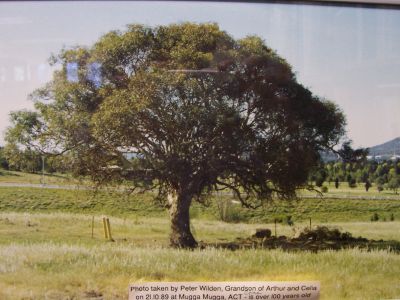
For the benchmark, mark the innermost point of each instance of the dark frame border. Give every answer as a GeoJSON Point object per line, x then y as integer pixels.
{"type": "Point", "coordinates": [389, 4]}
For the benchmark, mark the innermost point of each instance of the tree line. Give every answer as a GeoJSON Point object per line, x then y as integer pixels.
{"type": "Point", "coordinates": [30, 161]}
{"type": "Point", "coordinates": [381, 174]}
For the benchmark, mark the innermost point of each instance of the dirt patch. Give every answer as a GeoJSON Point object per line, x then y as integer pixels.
{"type": "Point", "coordinates": [320, 238]}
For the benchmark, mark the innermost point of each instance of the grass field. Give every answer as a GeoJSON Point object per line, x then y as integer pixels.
{"type": "Point", "coordinates": [47, 250]}
{"type": "Point", "coordinates": [53, 256]}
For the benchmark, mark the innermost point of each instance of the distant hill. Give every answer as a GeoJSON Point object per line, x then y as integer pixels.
{"type": "Point", "coordinates": [389, 148]}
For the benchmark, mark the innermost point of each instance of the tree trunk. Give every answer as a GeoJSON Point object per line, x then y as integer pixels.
{"type": "Point", "coordinates": [181, 236]}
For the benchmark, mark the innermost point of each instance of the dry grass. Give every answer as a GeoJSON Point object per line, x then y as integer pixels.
{"type": "Point", "coordinates": [52, 256]}
{"type": "Point", "coordinates": [55, 271]}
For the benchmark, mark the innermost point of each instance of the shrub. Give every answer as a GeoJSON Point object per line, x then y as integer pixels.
{"type": "Point", "coordinates": [352, 183]}
{"type": "Point", "coordinates": [227, 212]}
{"type": "Point", "coordinates": [375, 217]}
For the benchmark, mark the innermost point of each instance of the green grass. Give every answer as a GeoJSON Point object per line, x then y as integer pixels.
{"type": "Point", "coordinates": [52, 256]}
{"type": "Point", "coordinates": [30, 178]}
{"type": "Point", "coordinates": [81, 201]}
{"type": "Point", "coordinates": [120, 204]}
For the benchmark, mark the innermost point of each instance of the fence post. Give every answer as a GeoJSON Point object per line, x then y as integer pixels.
{"type": "Point", "coordinates": [310, 223]}
{"type": "Point", "coordinates": [275, 228]}
{"type": "Point", "coordinates": [109, 230]}
{"type": "Point", "coordinates": [105, 228]}
{"type": "Point", "coordinates": [92, 225]}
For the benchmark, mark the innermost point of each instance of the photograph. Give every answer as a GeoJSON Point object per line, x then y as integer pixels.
{"type": "Point", "coordinates": [199, 150]}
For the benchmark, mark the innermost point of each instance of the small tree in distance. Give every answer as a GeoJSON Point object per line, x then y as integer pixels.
{"type": "Point", "coordinates": [394, 184]}
{"type": "Point", "coordinates": [337, 182]}
{"type": "Point", "coordinates": [199, 111]}
{"type": "Point", "coordinates": [367, 185]}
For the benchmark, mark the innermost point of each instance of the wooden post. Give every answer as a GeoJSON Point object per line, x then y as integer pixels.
{"type": "Point", "coordinates": [109, 230]}
{"type": "Point", "coordinates": [275, 228]}
{"type": "Point", "coordinates": [105, 228]}
{"type": "Point", "coordinates": [92, 225]}
{"type": "Point", "coordinates": [310, 223]}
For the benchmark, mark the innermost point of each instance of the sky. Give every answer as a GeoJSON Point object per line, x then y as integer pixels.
{"type": "Point", "coordinates": [349, 55]}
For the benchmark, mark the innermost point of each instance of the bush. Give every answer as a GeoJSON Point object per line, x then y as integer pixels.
{"type": "Point", "coordinates": [3, 161]}
{"type": "Point", "coordinates": [227, 212]}
{"type": "Point", "coordinates": [324, 189]}
{"type": "Point", "coordinates": [375, 217]}
{"type": "Point", "coordinates": [319, 181]}
{"type": "Point", "coordinates": [352, 183]}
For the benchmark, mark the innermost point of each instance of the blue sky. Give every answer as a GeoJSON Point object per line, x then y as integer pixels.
{"type": "Point", "coordinates": [348, 55]}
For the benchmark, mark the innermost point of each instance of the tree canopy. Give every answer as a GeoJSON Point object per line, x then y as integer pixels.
{"type": "Point", "coordinates": [198, 110]}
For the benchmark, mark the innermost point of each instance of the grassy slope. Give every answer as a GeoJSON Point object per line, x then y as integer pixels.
{"type": "Point", "coordinates": [21, 177]}
{"type": "Point", "coordinates": [320, 209]}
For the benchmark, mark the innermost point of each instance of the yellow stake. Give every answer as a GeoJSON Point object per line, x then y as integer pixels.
{"type": "Point", "coordinates": [109, 230]}
{"type": "Point", "coordinates": [105, 228]}
{"type": "Point", "coordinates": [92, 225]}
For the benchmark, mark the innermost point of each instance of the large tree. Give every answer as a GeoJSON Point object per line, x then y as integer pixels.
{"type": "Point", "coordinates": [199, 110]}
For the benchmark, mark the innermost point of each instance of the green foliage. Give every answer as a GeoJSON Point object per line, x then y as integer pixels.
{"type": "Point", "coordinates": [367, 172]}
{"type": "Point", "coordinates": [394, 183]}
{"type": "Point", "coordinates": [367, 185]}
{"type": "Point", "coordinates": [320, 177]}
{"type": "Point", "coordinates": [228, 211]}
{"type": "Point", "coordinates": [25, 160]}
{"type": "Point", "coordinates": [3, 160]}
{"type": "Point", "coordinates": [352, 182]}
